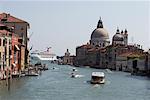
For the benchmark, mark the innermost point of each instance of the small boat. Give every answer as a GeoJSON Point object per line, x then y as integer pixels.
{"type": "Point", "coordinates": [73, 75]}
{"type": "Point", "coordinates": [74, 70]}
{"type": "Point", "coordinates": [32, 74]}
{"type": "Point", "coordinates": [108, 70]}
{"type": "Point", "coordinates": [98, 78]}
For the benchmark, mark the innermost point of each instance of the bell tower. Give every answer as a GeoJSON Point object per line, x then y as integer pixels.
{"type": "Point", "coordinates": [125, 37]}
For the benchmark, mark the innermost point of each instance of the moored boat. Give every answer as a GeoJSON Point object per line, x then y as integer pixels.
{"type": "Point", "coordinates": [98, 78]}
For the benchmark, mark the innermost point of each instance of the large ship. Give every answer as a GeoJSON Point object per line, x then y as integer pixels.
{"type": "Point", "coordinates": [44, 55]}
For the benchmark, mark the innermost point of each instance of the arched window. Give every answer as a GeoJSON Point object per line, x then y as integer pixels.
{"type": "Point", "coordinates": [103, 44]}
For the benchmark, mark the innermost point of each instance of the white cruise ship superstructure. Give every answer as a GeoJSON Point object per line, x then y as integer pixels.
{"type": "Point", "coordinates": [44, 55]}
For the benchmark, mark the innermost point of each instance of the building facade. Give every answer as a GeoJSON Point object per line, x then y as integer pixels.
{"type": "Point", "coordinates": [14, 53]}
{"type": "Point", "coordinates": [20, 28]}
{"type": "Point", "coordinates": [116, 56]}
{"type": "Point", "coordinates": [68, 59]}
{"type": "Point", "coordinates": [5, 51]}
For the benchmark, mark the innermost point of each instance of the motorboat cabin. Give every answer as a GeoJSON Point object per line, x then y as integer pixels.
{"type": "Point", "coordinates": [98, 78]}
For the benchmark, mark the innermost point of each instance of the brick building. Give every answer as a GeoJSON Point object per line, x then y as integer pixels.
{"type": "Point", "coordinates": [20, 28]}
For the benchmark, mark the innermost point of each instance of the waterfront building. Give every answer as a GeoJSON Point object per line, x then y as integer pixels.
{"type": "Point", "coordinates": [81, 55]}
{"type": "Point", "coordinates": [5, 50]}
{"type": "Point", "coordinates": [117, 56]}
{"type": "Point", "coordinates": [96, 57]}
{"type": "Point", "coordinates": [16, 54]}
{"type": "Point", "coordinates": [68, 59]}
{"type": "Point", "coordinates": [93, 54]}
{"type": "Point", "coordinates": [136, 63]}
{"type": "Point", "coordinates": [20, 28]}
{"type": "Point", "coordinates": [148, 61]}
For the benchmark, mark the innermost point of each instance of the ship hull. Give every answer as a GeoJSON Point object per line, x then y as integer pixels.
{"type": "Point", "coordinates": [38, 57]}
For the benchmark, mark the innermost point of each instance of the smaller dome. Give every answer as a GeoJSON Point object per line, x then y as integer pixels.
{"type": "Point", "coordinates": [118, 37]}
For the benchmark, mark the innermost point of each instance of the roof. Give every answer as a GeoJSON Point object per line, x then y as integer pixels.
{"type": "Point", "coordinates": [10, 18]}
{"type": "Point", "coordinates": [85, 46]}
{"type": "Point", "coordinates": [4, 32]}
{"type": "Point", "coordinates": [132, 55]}
{"type": "Point", "coordinates": [98, 74]}
{"type": "Point", "coordinates": [2, 24]}
{"type": "Point", "coordinates": [93, 49]}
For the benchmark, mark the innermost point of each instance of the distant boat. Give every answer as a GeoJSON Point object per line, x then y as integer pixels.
{"type": "Point", "coordinates": [98, 78]}
{"type": "Point", "coordinates": [74, 70]}
{"type": "Point", "coordinates": [32, 74]}
{"type": "Point", "coordinates": [73, 75]}
{"type": "Point", "coordinates": [108, 70]}
{"type": "Point", "coordinates": [44, 55]}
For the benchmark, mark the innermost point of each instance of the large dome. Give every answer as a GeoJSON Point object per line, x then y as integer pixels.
{"type": "Point", "coordinates": [100, 33]}
{"type": "Point", "coordinates": [99, 36]}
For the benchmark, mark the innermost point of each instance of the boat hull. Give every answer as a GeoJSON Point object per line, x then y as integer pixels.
{"type": "Point", "coordinates": [97, 82]}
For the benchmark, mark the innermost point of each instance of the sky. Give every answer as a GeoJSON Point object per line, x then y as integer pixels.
{"type": "Point", "coordinates": [67, 24]}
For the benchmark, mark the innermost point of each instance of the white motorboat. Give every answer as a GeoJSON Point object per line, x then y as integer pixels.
{"type": "Point", "coordinates": [74, 70]}
{"type": "Point", "coordinates": [98, 78]}
{"type": "Point", "coordinates": [73, 75]}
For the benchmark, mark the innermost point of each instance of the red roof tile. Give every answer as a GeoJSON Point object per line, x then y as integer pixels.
{"type": "Point", "coordinates": [10, 18]}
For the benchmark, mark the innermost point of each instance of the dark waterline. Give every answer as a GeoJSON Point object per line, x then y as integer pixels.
{"type": "Point", "coordinates": [56, 84]}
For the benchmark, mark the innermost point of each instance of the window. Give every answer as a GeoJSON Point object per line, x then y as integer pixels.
{"type": "Point", "coordinates": [0, 56]}
{"type": "Point", "coordinates": [0, 42]}
{"type": "Point", "coordinates": [3, 42]}
{"type": "Point", "coordinates": [22, 28]}
{"type": "Point", "coordinates": [9, 42]}
{"type": "Point", "coordinates": [103, 44]}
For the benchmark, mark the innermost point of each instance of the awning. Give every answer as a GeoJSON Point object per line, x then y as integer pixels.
{"type": "Point", "coordinates": [17, 47]}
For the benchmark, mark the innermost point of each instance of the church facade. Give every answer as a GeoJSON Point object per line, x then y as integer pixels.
{"type": "Point", "coordinates": [118, 55]}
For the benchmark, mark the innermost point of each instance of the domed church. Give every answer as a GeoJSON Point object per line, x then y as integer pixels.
{"type": "Point", "coordinates": [100, 53]}
{"type": "Point", "coordinates": [99, 37]}
{"type": "Point", "coordinates": [120, 38]}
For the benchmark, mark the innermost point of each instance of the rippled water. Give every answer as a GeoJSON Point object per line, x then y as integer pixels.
{"type": "Point", "coordinates": [56, 84]}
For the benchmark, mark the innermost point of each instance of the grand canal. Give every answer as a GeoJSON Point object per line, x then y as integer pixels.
{"type": "Point", "coordinates": [56, 84]}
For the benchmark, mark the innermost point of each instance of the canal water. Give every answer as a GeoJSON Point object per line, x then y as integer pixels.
{"type": "Point", "coordinates": [57, 84]}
